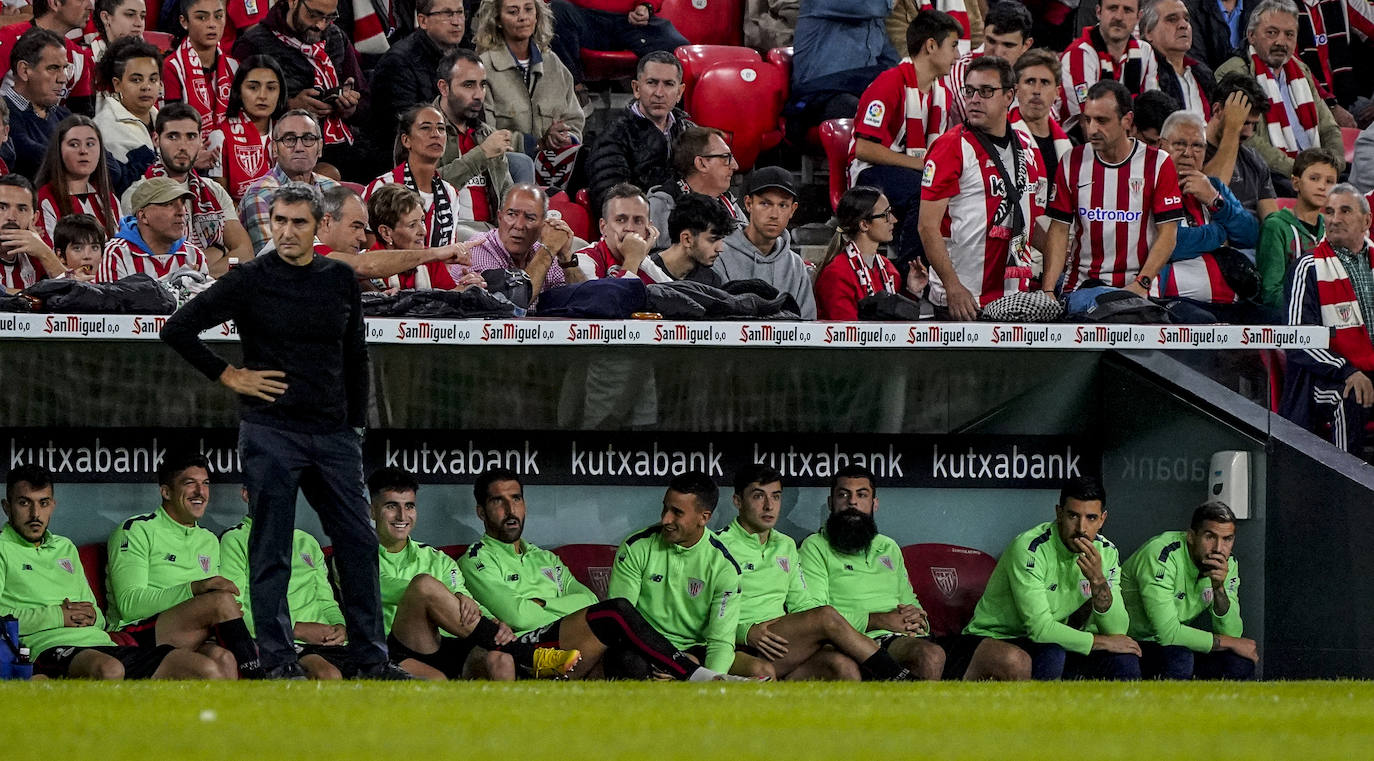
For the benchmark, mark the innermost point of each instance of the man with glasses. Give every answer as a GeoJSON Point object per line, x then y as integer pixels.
{"type": "Point", "coordinates": [61, 17]}
{"type": "Point", "coordinates": [982, 191]}
{"type": "Point", "coordinates": [704, 164]}
{"type": "Point", "coordinates": [526, 240]}
{"type": "Point", "coordinates": [296, 145]}
{"type": "Point", "coordinates": [408, 68]}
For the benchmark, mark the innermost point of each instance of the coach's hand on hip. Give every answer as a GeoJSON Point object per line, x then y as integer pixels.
{"type": "Point", "coordinates": [258, 383]}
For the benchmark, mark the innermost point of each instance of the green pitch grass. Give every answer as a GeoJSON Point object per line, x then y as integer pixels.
{"type": "Point", "coordinates": [428, 722]}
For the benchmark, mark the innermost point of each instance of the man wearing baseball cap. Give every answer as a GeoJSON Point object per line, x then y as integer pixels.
{"type": "Point", "coordinates": [762, 249]}
{"type": "Point", "coordinates": [153, 239]}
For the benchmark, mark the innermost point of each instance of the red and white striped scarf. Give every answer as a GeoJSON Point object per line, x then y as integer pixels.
{"type": "Point", "coordinates": [1300, 89]}
{"type": "Point", "coordinates": [922, 110]}
{"type": "Point", "coordinates": [206, 204]}
{"type": "Point", "coordinates": [861, 271]}
{"type": "Point", "coordinates": [1062, 143]}
{"type": "Point", "coordinates": [439, 217]}
{"type": "Point", "coordinates": [1133, 70]}
{"type": "Point", "coordinates": [245, 155]}
{"type": "Point", "coordinates": [326, 78]}
{"type": "Point", "coordinates": [210, 99]}
{"type": "Point", "coordinates": [369, 33]}
{"type": "Point", "coordinates": [1340, 308]}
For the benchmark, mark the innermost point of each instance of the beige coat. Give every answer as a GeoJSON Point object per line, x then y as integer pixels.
{"type": "Point", "coordinates": [903, 11]}
{"type": "Point", "coordinates": [528, 114]}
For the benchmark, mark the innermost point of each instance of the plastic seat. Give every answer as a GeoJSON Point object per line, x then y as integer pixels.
{"type": "Point", "coordinates": [356, 187]}
{"type": "Point", "coordinates": [590, 564]}
{"type": "Point", "coordinates": [706, 22]}
{"type": "Point", "coordinates": [1348, 137]}
{"type": "Point", "coordinates": [836, 135]}
{"type": "Point", "coordinates": [577, 215]}
{"type": "Point", "coordinates": [745, 102]}
{"type": "Point", "coordinates": [948, 580]}
{"type": "Point", "coordinates": [93, 558]}
{"type": "Point", "coordinates": [163, 41]}
{"type": "Point", "coordinates": [606, 65]}
{"type": "Point", "coordinates": [696, 59]}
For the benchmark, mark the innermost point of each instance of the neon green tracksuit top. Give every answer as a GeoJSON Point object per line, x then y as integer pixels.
{"type": "Point", "coordinates": [153, 560]}
{"type": "Point", "coordinates": [508, 579]}
{"type": "Point", "coordinates": [309, 597]}
{"type": "Point", "coordinates": [771, 580]}
{"type": "Point", "coordinates": [33, 583]}
{"type": "Point", "coordinates": [857, 585]}
{"type": "Point", "coordinates": [1164, 589]}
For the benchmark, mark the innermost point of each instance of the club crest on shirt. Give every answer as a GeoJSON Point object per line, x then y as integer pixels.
{"type": "Point", "coordinates": [66, 565]}
{"type": "Point", "coordinates": [946, 580]}
{"type": "Point", "coordinates": [1085, 587]}
{"type": "Point", "coordinates": [1207, 595]}
{"type": "Point", "coordinates": [309, 561]}
{"type": "Point", "coordinates": [554, 574]}
{"type": "Point", "coordinates": [873, 116]}
{"type": "Point", "coordinates": [785, 564]}
{"type": "Point", "coordinates": [694, 587]}
{"type": "Point", "coordinates": [1137, 185]}
{"type": "Point", "coordinates": [204, 562]}
{"type": "Point", "coordinates": [886, 561]}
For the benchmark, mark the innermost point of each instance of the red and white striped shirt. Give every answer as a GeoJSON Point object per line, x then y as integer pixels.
{"type": "Point", "coordinates": [24, 272]}
{"type": "Point", "coordinates": [1115, 210]}
{"type": "Point", "coordinates": [896, 114]}
{"type": "Point", "coordinates": [123, 257]}
{"type": "Point", "coordinates": [1082, 66]}
{"type": "Point", "coordinates": [954, 83]}
{"type": "Point", "coordinates": [82, 203]}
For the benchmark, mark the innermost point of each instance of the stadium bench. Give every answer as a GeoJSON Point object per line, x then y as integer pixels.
{"type": "Point", "coordinates": [590, 564]}
{"type": "Point", "coordinates": [948, 580]}
{"type": "Point", "coordinates": [93, 557]}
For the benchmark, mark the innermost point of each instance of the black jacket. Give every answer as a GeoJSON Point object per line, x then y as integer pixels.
{"type": "Point", "coordinates": [1211, 36]}
{"type": "Point", "coordinates": [300, 75]}
{"type": "Point", "coordinates": [631, 149]}
{"type": "Point", "coordinates": [409, 75]}
{"type": "Point", "coordinates": [1168, 80]}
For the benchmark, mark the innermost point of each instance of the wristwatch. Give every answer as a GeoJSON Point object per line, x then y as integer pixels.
{"type": "Point", "coordinates": [569, 264]}
{"type": "Point", "coordinates": [1216, 204]}
{"type": "Point", "coordinates": [1144, 281]}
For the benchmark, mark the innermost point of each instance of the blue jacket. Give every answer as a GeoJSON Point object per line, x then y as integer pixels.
{"type": "Point", "coordinates": [30, 134]}
{"type": "Point", "coordinates": [835, 36]}
{"type": "Point", "coordinates": [128, 230]}
{"type": "Point", "coordinates": [1232, 224]}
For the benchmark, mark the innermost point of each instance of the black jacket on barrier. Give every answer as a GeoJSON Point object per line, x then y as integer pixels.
{"type": "Point", "coordinates": [631, 149]}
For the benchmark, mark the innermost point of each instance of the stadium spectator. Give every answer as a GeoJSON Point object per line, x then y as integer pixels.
{"type": "Point", "coordinates": [241, 15]}
{"type": "Point", "coordinates": [635, 27]}
{"type": "Point", "coordinates": [530, 93]}
{"type": "Point", "coordinates": [525, 239]}
{"type": "Point", "coordinates": [860, 573]}
{"type": "Point", "coordinates": [114, 20]}
{"type": "Point", "coordinates": [342, 235]}
{"type": "Point", "coordinates": [697, 228]}
{"type": "Point", "coordinates": [780, 621]}
{"type": "Point", "coordinates": [899, 116]}
{"type": "Point", "coordinates": [1124, 245]}
{"type": "Point", "coordinates": [768, 24]}
{"type": "Point", "coordinates": [702, 163]}
{"type": "Point", "coordinates": [74, 177]}
{"type": "Point", "coordinates": [1240, 106]}
{"type": "Point", "coordinates": [424, 597]}
{"type": "Point", "coordinates": [1170, 581]}
{"type": "Point", "coordinates": [65, 19]}
{"type": "Point", "coordinates": [1057, 571]}
{"type": "Point", "coordinates": [153, 239]}
{"type": "Point", "coordinates": [635, 147]}
{"type": "Point", "coordinates": [982, 192]}
{"type": "Point", "coordinates": [1037, 81]}
{"type": "Point", "coordinates": [296, 146]}
{"type": "Point", "coordinates": [419, 146]}
{"type": "Point", "coordinates": [1107, 51]}
{"type": "Point", "coordinates": [1332, 37]}
{"type": "Point", "coordinates": [49, 594]}
{"type": "Point", "coordinates": [79, 241]}
{"type": "Point", "coordinates": [1287, 235]}
{"type": "Point", "coordinates": [39, 67]}
{"type": "Point", "coordinates": [839, 48]}
{"type": "Point", "coordinates": [214, 224]}
{"type": "Point", "coordinates": [1165, 24]}
{"type": "Point", "coordinates": [1298, 118]}
{"type": "Point", "coordinates": [302, 415]}
{"type": "Point", "coordinates": [200, 70]}
{"type": "Point", "coordinates": [551, 607]}
{"type": "Point", "coordinates": [24, 256]}
{"type": "Point", "coordinates": [164, 579]}
{"type": "Point", "coordinates": [257, 100]}
{"type": "Point", "coordinates": [476, 157]}
{"type": "Point", "coordinates": [408, 67]}
{"type": "Point", "coordinates": [1007, 35]}
{"type": "Point", "coordinates": [1218, 29]}
{"type": "Point", "coordinates": [852, 268]}
{"type": "Point", "coordinates": [626, 237]}
{"type": "Point", "coordinates": [397, 217]}
{"type": "Point", "coordinates": [698, 609]}
{"type": "Point", "coordinates": [762, 249]}
{"type": "Point", "coordinates": [1148, 112]}
{"type": "Point", "coordinates": [131, 85]}
{"type": "Point", "coordinates": [323, 75]}
{"type": "Point", "coordinates": [1333, 286]}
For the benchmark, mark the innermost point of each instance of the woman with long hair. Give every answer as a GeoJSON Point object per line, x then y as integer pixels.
{"type": "Point", "coordinates": [420, 141]}
{"type": "Point", "coordinates": [115, 20]}
{"type": "Point", "coordinates": [200, 70]}
{"type": "Point", "coordinates": [243, 139]}
{"type": "Point", "coordinates": [531, 91]}
{"type": "Point", "coordinates": [74, 177]}
{"type": "Point", "coordinates": [853, 269]}
{"type": "Point", "coordinates": [131, 81]}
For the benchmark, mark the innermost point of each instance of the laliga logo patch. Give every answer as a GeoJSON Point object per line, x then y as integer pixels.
{"type": "Point", "coordinates": [1081, 92]}
{"type": "Point", "coordinates": [886, 561]}
{"type": "Point", "coordinates": [66, 565]}
{"type": "Point", "coordinates": [946, 580]}
{"type": "Point", "coordinates": [1232, 583]}
{"type": "Point", "coordinates": [873, 116]}
{"type": "Point", "coordinates": [928, 177]}
{"type": "Point", "coordinates": [204, 562]}
{"type": "Point", "coordinates": [694, 587]}
{"type": "Point", "coordinates": [1321, 39]}
{"type": "Point", "coordinates": [1085, 587]}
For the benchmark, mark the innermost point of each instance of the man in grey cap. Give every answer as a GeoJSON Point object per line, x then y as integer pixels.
{"type": "Point", "coordinates": [762, 249]}
{"type": "Point", "coordinates": [153, 239]}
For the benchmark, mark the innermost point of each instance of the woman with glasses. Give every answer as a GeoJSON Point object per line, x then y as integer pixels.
{"type": "Point", "coordinates": [243, 139]}
{"type": "Point", "coordinates": [131, 80]}
{"type": "Point", "coordinates": [115, 20]}
{"type": "Point", "coordinates": [531, 91]}
{"type": "Point", "coordinates": [74, 177]}
{"type": "Point", "coordinates": [420, 144]}
{"type": "Point", "coordinates": [200, 71]}
{"type": "Point", "coordinates": [853, 269]}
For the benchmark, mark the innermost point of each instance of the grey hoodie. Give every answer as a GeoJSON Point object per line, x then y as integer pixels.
{"type": "Point", "coordinates": [781, 268]}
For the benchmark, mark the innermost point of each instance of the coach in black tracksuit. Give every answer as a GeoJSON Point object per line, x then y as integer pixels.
{"type": "Point", "coordinates": [303, 403]}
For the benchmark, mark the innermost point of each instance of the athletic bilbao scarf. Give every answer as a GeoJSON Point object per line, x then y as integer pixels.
{"type": "Point", "coordinates": [439, 217]}
{"type": "Point", "coordinates": [211, 99]}
{"type": "Point", "coordinates": [1062, 143]}
{"type": "Point", "coordinates": [553, 168]}
{"type": "Point", "coordinates": [1276, 121]}
{"type": "Point", "coordinates": [369, 33]}
{"type": "Point", "coordinates": [205, 202]}
{"type": "Point", "coordinates": [1133, 72]}
{"type": "Point", "coordinates": [326, 78]}
{"type": "Point", "coordinates": [922, 109]}
{"type": "Point", "coordinates": [856, 262]}
{"type": "Point", "coordinates": [1341, 309]}
{"type": "Point", "coordinates": [245, 156]}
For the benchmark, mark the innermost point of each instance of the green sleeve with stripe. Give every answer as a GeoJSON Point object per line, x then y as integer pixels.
{"type": "Point", "coordinates": [486, 576]}
{"type": "Point", "coordinates": [233, 565]}
{"type": "Point", "coordinates": [1027, 587]}
{"type": "Point", "coordinates": [722, 619]}
{"type": "Point", "coordinates": [627, 572]}
{"type": "Point", "coordinates": [1230, 624]}
{"type": "Point", "coordinates": [325, 608]}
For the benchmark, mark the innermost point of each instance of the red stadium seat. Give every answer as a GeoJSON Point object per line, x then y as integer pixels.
{"type": "Point", "coordinates": [454, 551]}
{"type": "Point", "coordinates": [836, 135]}
{"type": "Point", "coordinates": [743, 100]}
{"type": "Point", "coordinates": [576, 214]}
{"type": "Point", "coordinates": [782, 57]}
{"type": "Point", "coordinates": [696, 59]}
{"type": "Point", "coordinates": [355, 187]}
{"type": "Point", "coordinates": [948, 580]}
{"type": "Point", "coordinates": [93, 557]}
{"type": "Point", "coordinates": [1348, 136]}
{"type": "Point", "coordinates": [706, 22]}
{"type": "Point", "coordinates": [163, 41]}
{"type": "Point", "coordinates": [604, 65]}
{"type": "Point", "coordinates": [590, 564]}
{"type": "Point", "coordinates": [1275, 362]}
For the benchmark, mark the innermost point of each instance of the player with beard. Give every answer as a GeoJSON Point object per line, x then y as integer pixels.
{"type": "Point", "coordinates": [859, 572]}
{"type": "Point", "coordinates": [531, 589]}
{"type": "Point", "coordinates": [475, 158]}
{"type": "Point", "coordinates": [1055, 600]}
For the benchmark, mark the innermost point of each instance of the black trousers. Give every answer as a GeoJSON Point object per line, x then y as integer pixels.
{"type": "Point", "coordinates": [579, 28]}
{"type": "Point", "coordinates": [328, 470]}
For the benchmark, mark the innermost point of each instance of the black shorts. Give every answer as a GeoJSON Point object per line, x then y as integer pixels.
{"type": "Point", "coordinates": [448, 659]}
{"type": "Point", "coordinates": [545, 636]}
{"type": "Point", "coordinates": [340, 656]}
{"type": "Point", "coordinates": [139, 662]}
{"type": "Point", "coordinates": [138, 634]}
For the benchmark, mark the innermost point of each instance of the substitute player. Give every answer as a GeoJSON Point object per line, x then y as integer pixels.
{"type": "Point", "coordinates": [1055, 591]}
{"type": "Point", "coordinates": [534, 592]}
{"type": "Point", "coordinates": [860, 572]}
{"type": "Point", "coordinates": [780, 621]}
{"type": "Point", "coordinates": [164, 580]}
{"type": "Point", "coordinates": [44, 586]}
{"type": "Point", "coordinates": [1170, 581]}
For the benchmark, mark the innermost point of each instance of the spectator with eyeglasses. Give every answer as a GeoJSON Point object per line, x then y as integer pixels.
{"type": "Point", "coordinates": [703, 164]}
{"type": "Point", "coordinates": [296, 147]}
{"type": "Point", "coordinates": [409, 67]}
{"type": "Point", "coordinates": [525, 240]}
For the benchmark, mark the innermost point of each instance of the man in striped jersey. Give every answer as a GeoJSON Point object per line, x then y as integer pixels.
{"type": "Point", "coordinates": [1006, 34]}
{"type": "Point", "coordinates": [1037, 82]}
{"type": "Point", "coordinates": [153, 240]}
{"type": "Point", "coordinates": [1334, 286]}
{"type": "Point", "coordinates": [24, 257]}
{"type": "Point", "coordinates": [1107, 51]}
{"type": "Point", "coordinates": [1121, 199]}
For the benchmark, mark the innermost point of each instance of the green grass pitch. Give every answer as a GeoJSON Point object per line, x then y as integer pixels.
{"type": "Point", "coordinates": [526, 721]}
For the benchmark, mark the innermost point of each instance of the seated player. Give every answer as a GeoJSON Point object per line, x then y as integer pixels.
{"type": "Point", "coordinates": [43, 584]}
{"type": "Point", "coordinates": [684, 581]}
{"type": "Point", "coordinates": [533, 591]}
{"type": "Point", "coordinates": [779, 620]}
{"type": "Point", "coordinates": [435, 630]}
{"type": "Point", "coordinates": [164, 582]}
{"type": "Point", "coordinates": [316, 619]}
{"type": "Point", "coordinates": [1054, 592]}
{"type": "Point", "coordinates": [859, 572]}
{"type": "Point", "coordinates": [1170, 581]}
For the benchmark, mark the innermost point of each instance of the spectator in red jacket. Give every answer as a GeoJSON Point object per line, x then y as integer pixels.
{"type": "Point", "coordinates": [853, 269]}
